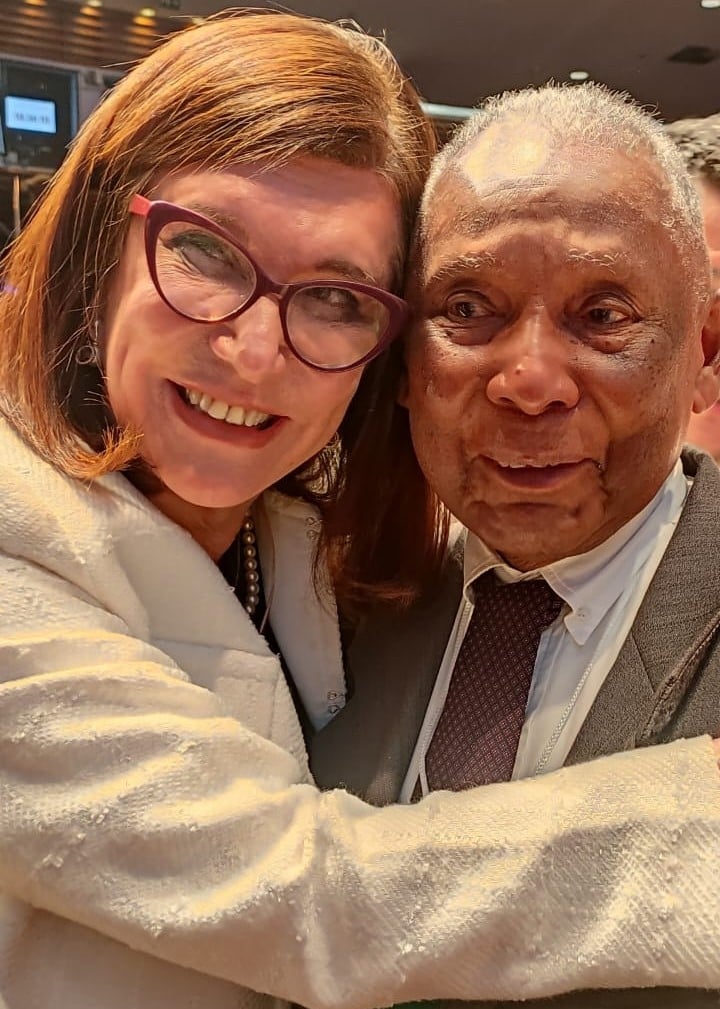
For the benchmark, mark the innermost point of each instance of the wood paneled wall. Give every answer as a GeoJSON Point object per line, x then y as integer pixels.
{"type": "Point", "coordinates": [58, 32]}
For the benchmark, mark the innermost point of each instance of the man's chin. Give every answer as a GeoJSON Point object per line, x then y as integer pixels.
{"type": "Point", "coordinates": [529, 535]}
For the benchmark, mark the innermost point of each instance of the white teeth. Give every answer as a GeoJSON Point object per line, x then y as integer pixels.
{"type": "Point", "coordinates": [235, 415]}
{"type": "Point", "coordinates": [216, 408]}
{"type": "Point", "coordinates": [253, 418]}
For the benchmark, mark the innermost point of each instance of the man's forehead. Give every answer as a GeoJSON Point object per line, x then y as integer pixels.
{"type": "Point", "coordinates": [596, 190]}
{"type": "Point", "coordinates": [520, 150]}
{"type": "Point", "coordinates": [473, 215]}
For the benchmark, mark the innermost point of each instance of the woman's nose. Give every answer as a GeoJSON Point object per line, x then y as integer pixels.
{"type": "Point", "coordinates": [254, 342]}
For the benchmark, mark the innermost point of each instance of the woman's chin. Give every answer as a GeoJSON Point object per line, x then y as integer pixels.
{"type": "Point", "coordinates": [206, 493]}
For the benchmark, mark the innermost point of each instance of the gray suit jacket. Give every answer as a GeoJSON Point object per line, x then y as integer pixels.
{"type": "Point", "coordinates": [664, 685]}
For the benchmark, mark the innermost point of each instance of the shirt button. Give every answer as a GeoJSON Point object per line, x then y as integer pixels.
{"type": "Point", "coordinates": [582, 614]}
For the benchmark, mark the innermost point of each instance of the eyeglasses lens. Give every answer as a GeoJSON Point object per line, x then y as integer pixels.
{"type": "Point", "coordinates": [333, 327]}
{"type": "Point", "coordinates": [201, 275]}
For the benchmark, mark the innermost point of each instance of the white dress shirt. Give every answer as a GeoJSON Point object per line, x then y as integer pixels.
{"type": "Point", "coordinates": [603, 590]}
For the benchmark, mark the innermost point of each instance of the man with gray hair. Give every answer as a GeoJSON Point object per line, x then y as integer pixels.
{"type": "Point", "coordinates": [565, 327]}
{"type": "Point", "coordinates": [698, 140]}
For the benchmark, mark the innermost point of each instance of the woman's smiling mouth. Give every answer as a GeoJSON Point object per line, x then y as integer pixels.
{"type": "Point", "coordinates": [213, 418]}
{"type": "Point", "coordinates": [219, 410]}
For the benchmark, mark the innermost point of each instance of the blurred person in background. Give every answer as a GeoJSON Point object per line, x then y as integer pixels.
{"type": "Point", "coordinates": [564, 326]}
{"type": "Point", "coordinates": [698, 141]}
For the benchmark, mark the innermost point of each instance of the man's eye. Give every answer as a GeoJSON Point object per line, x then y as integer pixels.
{"type": "Point", "coordinates": [466, 308]}
{"type": "Point", "coordinates": [606, 315]}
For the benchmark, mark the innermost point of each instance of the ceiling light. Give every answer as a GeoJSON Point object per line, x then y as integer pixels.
{"type": "Point", "coordinates": [582, 75]}
{"type": "Point", "coordinates": [147, 12]}
{"type": "Point", "coordinates": [710, 4]}
{"type": "Point", "coordinates": [94, 3]}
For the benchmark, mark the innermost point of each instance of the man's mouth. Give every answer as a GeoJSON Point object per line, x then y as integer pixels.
{"type": "Point", "coordinates": [534, 464]}
{"type": "Point", "coordinates": [238, 416]}
{"type": "Point", "coordinates": [526, 473]}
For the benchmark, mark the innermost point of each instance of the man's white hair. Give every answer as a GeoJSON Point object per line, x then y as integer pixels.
{"type": "Point", "coordinates": [592, 117]}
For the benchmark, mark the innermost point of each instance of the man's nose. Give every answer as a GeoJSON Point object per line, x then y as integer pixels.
{"type": "Point", "coordinates": [532, 370]}
{"type": "Point", "coordinates": [253, 343]}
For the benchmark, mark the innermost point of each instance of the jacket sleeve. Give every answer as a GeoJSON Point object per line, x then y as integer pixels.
{"type": "Point", "coordinates": [132, 804]}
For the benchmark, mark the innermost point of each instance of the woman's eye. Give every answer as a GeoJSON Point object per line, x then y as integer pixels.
{"type": "Point", "coordinates": [199, 248]}
{"type": "Point", "coordinates": [334, 297]}
{"type": "Point", "coordinates": [466, 308]}
{"type": "Point", "coordinates": [335, 304]}
{"type": "Point", "coordinates": [199, 242]}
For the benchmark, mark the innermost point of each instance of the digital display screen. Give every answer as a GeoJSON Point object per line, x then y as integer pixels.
{"type": "Point", "coordinates": [30, 115]}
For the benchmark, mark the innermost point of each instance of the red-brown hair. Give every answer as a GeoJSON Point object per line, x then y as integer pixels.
{"type": "Point", "coordinates": [255, 86]}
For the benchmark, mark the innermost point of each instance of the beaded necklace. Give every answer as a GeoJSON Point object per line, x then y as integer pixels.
{"type": "Point", "coordinates": [247, 543]}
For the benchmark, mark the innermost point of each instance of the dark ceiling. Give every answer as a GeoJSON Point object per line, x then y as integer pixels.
{"type": "Point", "coordinates": [461, 50]}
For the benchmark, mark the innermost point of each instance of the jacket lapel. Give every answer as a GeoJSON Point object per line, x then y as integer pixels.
{"type": "Point", "coordinates": [305, 624]}
{"type": "Point", "coordinates": [392, 663]}
{"type": "Point", "coordinates": [680, 612]}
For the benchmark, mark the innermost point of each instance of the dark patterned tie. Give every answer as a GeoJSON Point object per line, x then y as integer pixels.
{"type": "Point", "coordinates": [477, 736]}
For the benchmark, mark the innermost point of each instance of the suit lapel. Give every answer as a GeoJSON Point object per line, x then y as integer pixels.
{"type": "Point", "coordinates": [393, 662]}
{"type": "Point", "coordinates": [661, 654]}
{"type": "Point", "coordinates": [624, 702]}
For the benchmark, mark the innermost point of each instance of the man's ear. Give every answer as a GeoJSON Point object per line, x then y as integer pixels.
{"type": "Point", "coordinates": [707, 386]}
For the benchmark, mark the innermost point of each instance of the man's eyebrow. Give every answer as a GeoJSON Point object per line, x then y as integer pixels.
{"type": "Point", "coordinates": [465, 263]}
{"type": "Point", "coordinates": [472, 261]}
{"type": "Point", "coordinates": [609, 260]}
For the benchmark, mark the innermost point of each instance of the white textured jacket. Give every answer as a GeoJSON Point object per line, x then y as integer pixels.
{"type": "Point", "coordinates": [162, 846]}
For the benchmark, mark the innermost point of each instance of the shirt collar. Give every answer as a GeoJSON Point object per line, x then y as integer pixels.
{"type": "Point", "coordinates": [591, 582]}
